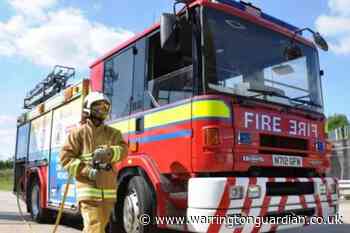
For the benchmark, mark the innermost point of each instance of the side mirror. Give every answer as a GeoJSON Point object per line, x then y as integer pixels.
{"type": "Point", "coordinates": [320, 41]}
{"type": "Point", "coordinates": [169, 32]}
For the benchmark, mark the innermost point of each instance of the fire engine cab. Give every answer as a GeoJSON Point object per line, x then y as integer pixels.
{"type": "Point", "coordinates": [222, 108]}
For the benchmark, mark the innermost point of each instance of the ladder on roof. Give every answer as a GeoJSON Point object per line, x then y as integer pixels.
{"type": "Point", "coordinates": [51, 85]}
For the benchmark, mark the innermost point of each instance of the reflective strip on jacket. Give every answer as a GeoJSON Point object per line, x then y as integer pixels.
{"type": "Point", "coordinates": [76, 154]}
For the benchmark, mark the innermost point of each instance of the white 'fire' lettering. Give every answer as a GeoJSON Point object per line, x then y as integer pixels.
{"type": "Point", "coordinates": [266, 122]}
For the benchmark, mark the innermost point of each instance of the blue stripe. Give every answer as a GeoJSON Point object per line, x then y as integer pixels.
{"type": "Point", "coordinates": [154, 138]}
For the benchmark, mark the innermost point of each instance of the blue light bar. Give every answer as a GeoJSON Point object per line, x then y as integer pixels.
{"type": "Point", "coordinates": [243, 7]}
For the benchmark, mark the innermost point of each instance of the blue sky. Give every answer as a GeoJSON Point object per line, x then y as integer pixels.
{"type": "Point", "coordinates": [37, 34]}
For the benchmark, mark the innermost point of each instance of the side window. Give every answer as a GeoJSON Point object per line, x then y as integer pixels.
{"type": "Point", "coordinates": [40, 134]}
{"type": "Point", "coordinates": [139, 76]}
{"type": "Point", "coordinates": [118, 82]}
{"type": "Point", "coordinates": [170, 74]}
{"type": "Point", "coordinates": [22, 141]}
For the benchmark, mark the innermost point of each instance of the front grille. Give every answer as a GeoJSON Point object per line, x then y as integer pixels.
{"type": "Point", "coordinates": [289, 188]}
{"type": "Point", "coordinates": [308, 212]}
{"type": "Point", "coordinates": [281, 142]}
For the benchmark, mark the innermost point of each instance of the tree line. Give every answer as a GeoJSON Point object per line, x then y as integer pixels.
{"type": "Point", "coordinates": [8, 164]}
{"type": "Point", "coordinates": [336, 121]}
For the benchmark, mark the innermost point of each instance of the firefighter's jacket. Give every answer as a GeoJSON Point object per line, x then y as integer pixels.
{"type": "Point", "coordinates": [76, 157]}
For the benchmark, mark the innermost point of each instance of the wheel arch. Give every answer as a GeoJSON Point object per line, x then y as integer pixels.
{"type": "Point", "coordinates": [142, 165]}
{"type": "Point", "coordinates": [127, 173]}
{"type": "Point", "coordinates": [37, 174]}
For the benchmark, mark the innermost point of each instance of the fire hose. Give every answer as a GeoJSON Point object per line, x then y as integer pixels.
{"type": "Point", "coordinates": [97, 164]}
{"type": "Point", "coordinates": [20, 209]}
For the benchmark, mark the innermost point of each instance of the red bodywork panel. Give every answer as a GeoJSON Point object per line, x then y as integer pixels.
{"type": "Point", "coordinates": [215, 158]}
{"type": "Point", "coordinates": [184, 157]}
{"type": "Point", "coordinates": [270, 122]}
{"type": "Point", "coordinates": [42, 173]}
{"type": "Point", "coordinates": [96, 77]}
{"type": "Point", "coordinates": [174, 160]}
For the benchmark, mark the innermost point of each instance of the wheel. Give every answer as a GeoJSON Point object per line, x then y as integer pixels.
{"type": "Point", "coordinates": [37, 213]}
{"type": "Point", "coordinates": [136, 201]}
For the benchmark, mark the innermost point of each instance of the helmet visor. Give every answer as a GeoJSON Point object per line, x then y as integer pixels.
{"type": "Point", "coordinates": [100, 110]}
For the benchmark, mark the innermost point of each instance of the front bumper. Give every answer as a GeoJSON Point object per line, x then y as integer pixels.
{"type": "Point", "coordinates": [211, 197]}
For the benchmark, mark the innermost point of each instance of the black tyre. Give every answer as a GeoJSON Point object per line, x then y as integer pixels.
{"type": "Point", "coordinates": [137, 200]}
{"type": "Point", "coordinates": [37, 213]}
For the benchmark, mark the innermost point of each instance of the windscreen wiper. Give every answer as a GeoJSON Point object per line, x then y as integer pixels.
{"type": "Point", "coordinates": [302, 102]}
{"type": "Point", "coordinates": [266, 93]}
{"type": "Point", "coordinates": [297, 99]}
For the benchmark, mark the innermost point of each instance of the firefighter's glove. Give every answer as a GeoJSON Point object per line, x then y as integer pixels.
{"type": "Point", "coordinates": [89, 172]}
{"type": "Point", "coordinates": [102, 155]}
{"type": "Point", "coordinates": [92, 174]}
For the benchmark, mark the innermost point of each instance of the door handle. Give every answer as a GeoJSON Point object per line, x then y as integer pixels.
{"type": "Point", "coordinates": [140, 125]}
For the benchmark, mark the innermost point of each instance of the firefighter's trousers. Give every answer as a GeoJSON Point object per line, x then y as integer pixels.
{"type": "Point", "coordinates": [95, 215]}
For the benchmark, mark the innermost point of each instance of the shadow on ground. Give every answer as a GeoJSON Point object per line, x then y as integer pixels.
{"type": "Point", "coordinates": [67, 220]}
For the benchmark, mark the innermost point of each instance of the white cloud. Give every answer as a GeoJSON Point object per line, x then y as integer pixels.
{"type": "Point", "coordinates": [65, 37]}
{"type": "Point", "coordinates": [336, 26]}
{"type": "Point", "coordinates": [333, 25]}
{"type": "Point", "coordinates": [342, 46]}
{"type": "Point", "coordinates": [8, 32]}
{"type": "Point", "coordinates": [33, 8]}
{"type": "Point", "coordinates": [341, 7]}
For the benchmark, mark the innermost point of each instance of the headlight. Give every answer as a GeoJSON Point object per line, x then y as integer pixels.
{"type": "Point", "coordinates": [254, 191]}
{"type": "Point", "coordinates": [322, 189]}
{"type": "Point", "coordinates": [236, 192]}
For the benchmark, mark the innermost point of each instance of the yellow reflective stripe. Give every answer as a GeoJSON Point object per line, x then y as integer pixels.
{"type": "Point", "coordinates": [97, 197]}
{"type": "Point", "coordinates": [124, 126]}
{"type": "Point", "coordinates": [168, 116]}
{"type": "Point", "coordinates": [86, 157]}
{"type": "Point", "coordinates": [116, 154]}
{"type": "Point", "coordinates": [110, 195]}
{"type": "Point", "coordinates": [90, 196]}
{"type": "Point", "coordinates": [210, 108]}
{"type": "Point", "coordinates": [73, 167]}
{"type": "Point", "coordinates": [111, 191]}
{"type": "Point", "coordinates": [93, 192]}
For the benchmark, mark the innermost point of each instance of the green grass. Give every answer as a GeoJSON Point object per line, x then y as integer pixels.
{"type": "Point", "coordinates": [6, 180]}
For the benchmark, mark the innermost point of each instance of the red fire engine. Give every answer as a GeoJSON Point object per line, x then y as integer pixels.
{"type": "Point", "coordinates": [222, 108]}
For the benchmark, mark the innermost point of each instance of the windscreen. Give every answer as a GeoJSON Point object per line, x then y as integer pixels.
{"type": "Point", "coordinates": [246, 59]}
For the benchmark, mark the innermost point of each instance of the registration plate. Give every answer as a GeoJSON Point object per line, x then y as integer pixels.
{"type": "Point", "coordinates": [287, 161]}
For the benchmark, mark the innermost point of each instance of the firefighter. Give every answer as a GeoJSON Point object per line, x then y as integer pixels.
{"type": "Point", "coordinates": [88, 155]}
